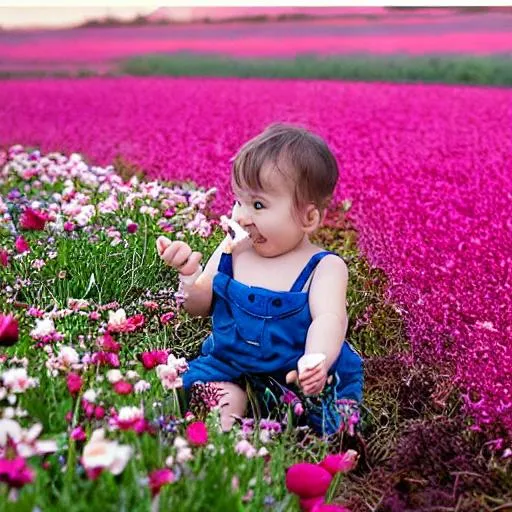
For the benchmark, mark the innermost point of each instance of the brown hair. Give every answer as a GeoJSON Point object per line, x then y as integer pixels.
{"type": "Point", "coordinates": [296, 153]}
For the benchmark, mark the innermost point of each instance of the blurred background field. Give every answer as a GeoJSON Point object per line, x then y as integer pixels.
{"type": "Point", "coordinates": [449, 45]}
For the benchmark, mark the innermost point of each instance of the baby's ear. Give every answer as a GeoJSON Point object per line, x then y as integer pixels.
{"type": "Point", "coordinates": [311, 218]}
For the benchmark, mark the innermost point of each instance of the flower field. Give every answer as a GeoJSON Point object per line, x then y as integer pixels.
{"type": "Point", "coordinates": [425, 176]}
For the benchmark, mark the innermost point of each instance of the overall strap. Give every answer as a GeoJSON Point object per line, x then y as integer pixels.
{"type": "Point", "coordinates": [226, 264]}
{"type": "Point", "coordinates": [307, 270]}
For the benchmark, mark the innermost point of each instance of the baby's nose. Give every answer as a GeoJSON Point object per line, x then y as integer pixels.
{"type": "Point", "coordinates": [242, 216]}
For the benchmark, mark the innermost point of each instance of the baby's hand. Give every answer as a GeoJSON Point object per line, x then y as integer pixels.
{"type": "Point", "coordinates": [179, 255]}
{"type": "Point", "coordinates": [313, 380]}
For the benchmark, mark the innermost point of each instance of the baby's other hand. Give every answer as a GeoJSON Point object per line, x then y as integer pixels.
{"type": "Point", "coordinates": [312, 380]}
{"type": "Point", "coordinates": [179, 255]}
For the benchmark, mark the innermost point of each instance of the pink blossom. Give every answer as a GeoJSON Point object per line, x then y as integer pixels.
{"type": "Point", "coordinates": [8, 330]}
{"type": "Point", "coordinates": [166, 317]}
{"type": "Point", "coordinates": [122, 387]}
{"type": "Point", "coordinates": [15, 472]}
{"type": "Point", "coordinates": [154, 358]}
{"type": "Point", "coordinates": [158, 478]}
{"type": "Point", "coordinates": [197, 433]}
{"type": "Point", "coordinates": [307, 480]}
{"type": "Point", "coordinates": [4, 258]}
{"type": "Point", "coordinates": [21, 245]}
{"type": "Point", "coordinates": [33, 219]}
{"type": "Point", "coordinates": [108, 343]}
{"type": "Point", "coordinates": [78, 434]}
{"type": "Point", "coordinates": [106, 359]}
{"type": "Point", "coordinates": [340, 462]}
{"type": "Point", "coordinates": [74, 383]}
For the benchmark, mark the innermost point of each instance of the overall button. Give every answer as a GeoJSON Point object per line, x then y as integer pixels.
{"type": "Point", "coordinates": [276, 302]}
{"type": "Point", "coordinates": [251, 297]}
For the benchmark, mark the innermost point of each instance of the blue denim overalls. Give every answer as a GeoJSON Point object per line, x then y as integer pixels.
{"type": "Point", "coordinates": [256, 331]}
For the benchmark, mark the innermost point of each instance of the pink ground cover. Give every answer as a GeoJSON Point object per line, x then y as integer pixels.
{"type": "Point", "coordinates": [87, 50]}
{"type": "Point", "coordinates": [428, 169]}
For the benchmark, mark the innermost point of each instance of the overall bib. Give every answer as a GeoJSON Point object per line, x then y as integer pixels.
{"type": "Point", "coordinates": [261, 333]}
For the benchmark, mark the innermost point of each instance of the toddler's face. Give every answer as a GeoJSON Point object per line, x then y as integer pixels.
{"type": "Point", "coordinates": [268, 214]}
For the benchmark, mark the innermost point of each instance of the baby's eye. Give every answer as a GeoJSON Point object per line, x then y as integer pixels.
{"type": "Point", "coordinates": [258, 205]}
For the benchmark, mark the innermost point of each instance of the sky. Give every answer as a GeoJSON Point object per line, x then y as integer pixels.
{"type": "Point", "coordinates": [58, 16]}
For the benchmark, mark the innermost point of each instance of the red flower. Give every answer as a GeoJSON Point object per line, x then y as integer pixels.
{"type": "Point", "coordinates": [154, 358]}
{"type": "Point", "coordinates": [158, 478]}
{"type": "Point", "coordinates": [8, 330]}
{"type": "Point", "coordinates": [74, 383]}
{"type": "Point", "coordinates": [197, 433]}
{"type": "Point", "coordinates": [21, 245]}
{"type": "Point", "coordinates": [4, 258]}
{"type": "Point", "coordinates": [99, 412]}
{"type": "Point", "coordinates": [132, 228]}
{"type": "Point", "coordinates": [123, 387]}
{"type": "Point", "coordinates": [33, 220]}
{"type": "Point", "coordinates": [308, 480]}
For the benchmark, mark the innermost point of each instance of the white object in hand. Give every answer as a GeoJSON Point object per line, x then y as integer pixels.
{"type": "Point", "coordinates": [310, 361]}
{"type": "Point", "coordinates": [236, 232]}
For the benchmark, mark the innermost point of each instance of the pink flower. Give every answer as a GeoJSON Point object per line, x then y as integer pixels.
{"type": "Point", "coordinates": [197, 433]}
{"type": "Point", "coordinates": [33, 220]}
{"type": "Point", "coordinates": [78, 434]}
{"type": "Point", "coordinates": [307, 504]}
{"type": "Point", "coordinates": [118, 322]}
{"type": "Point", "coordinates": [106, 359]}
{"type": "Point", "coordinates": [130, 418]}
{"type": "Point", "coordinates": [122, 387]}
{"type": "Point", "coordinates": [166, 317]}
{"type": "Point", "coordinates": [69, 226]}
{"type": "Point", "coordinates": [8, 330]}
{"type": "Point", "coordinates": [94, 315]}
{"type": "Point", "coordinates": [74, 383]}
{"type": "Point", "coordinates": [108, 344]}
{"type": "Point", "coordinates": [158, 478]}
{"type": "Point", "coordinates": [4, 258]}
{"type": "Point", "coordinates": [99, 412]}
{"type": "Point", "coordinates": [154, 358]}
{"type": "Point", "coordinates": [21, 245]}
{"type": "Point", "coordinates": [328, 507]}
{"type": "Point", "coordinates": [341, 462]}
{"type": "Point", "coordinates": [15, 472]}
{"type": "Point", "coordinates": [307, 480]}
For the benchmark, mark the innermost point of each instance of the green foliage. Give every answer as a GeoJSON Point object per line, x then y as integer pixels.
{"type": "Point", "coordinates": [429, 69]}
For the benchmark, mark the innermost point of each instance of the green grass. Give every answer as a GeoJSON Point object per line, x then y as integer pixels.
{"type": "Point", "coordinates": [429, 69]}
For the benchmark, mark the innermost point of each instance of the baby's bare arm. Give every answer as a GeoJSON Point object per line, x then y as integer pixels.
{"type": "Point", "coordinates": [199, 295]}
{"type": "Point", "coordinates": [327, 302]}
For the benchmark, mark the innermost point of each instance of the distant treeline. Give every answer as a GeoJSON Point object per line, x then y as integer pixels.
{"type": "Point", "coordinates": [140, 20]}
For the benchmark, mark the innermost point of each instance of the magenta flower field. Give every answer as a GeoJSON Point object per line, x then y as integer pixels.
{"type": "Point", "coordinates": [427, 169]}
{"type": "Point", "coordinates": [391, 33]}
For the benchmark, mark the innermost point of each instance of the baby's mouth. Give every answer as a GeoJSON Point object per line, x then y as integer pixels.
{"type": "Point", "coordinates": [257, 239]}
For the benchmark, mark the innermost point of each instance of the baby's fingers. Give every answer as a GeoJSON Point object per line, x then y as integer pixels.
{"type": "Point", "coordinates": [192, 264]}
{"type": "Point", "coordinates": [162, 242]}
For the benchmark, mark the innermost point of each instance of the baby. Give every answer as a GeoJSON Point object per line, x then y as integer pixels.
{"type": "Point", "coordinates": [277, 301]}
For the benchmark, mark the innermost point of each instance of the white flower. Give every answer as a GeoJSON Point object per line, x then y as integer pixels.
{"type": "Point", "coordinates": [117, 318]}
{"type": "Point", "coordinates": [44, 327]}
{"type": "Point", "coordinates": [168, 376]}
{"type": "Point", "coordinates": [68, 356]}
{"type": "Point", "coordinates": [141, 386]}
{"type": "Point", "coordinates": [16, 380]}
{"type": "Point", "coordinates": [25, 441]}
{"type": "Point", "coordinates": [102, 453]}
{"type": "Point", "coordinates": [180, 443]}
{"type": "Point", "coordinates": [114, 376]}
{"type": "Point", "coordinates": [132, 375]}
{"type": "Point", "coordinates": [184, 455]}
{"type": "Point", "coordinates": [90, 395]}
{"type": "Point", "coordinates": [244, 447]}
